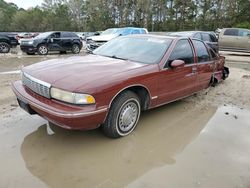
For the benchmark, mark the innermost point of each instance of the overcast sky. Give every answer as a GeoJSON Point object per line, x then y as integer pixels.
{"type": "Point", "coordinates": [25, 3]}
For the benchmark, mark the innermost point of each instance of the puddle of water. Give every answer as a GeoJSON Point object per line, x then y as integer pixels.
{"type": "Point", "coordinates": [176, 142]}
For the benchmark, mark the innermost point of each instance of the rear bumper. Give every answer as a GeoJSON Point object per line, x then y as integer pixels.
{"type": "Point", "coordinates": [63, 115]}
{"type": "Point", "coordinates": [30, 49]}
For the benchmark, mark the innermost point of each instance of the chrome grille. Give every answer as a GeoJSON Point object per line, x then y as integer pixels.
{"type": "Point", "coordinates": [38, 86]}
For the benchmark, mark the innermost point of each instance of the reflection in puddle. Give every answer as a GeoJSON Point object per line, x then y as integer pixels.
{"type": "Point", "coordinates": [89, 159]}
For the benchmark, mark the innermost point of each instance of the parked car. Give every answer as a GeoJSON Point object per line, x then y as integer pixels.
{"type": "Point", "coordinates": [52, 41]}
{"type": "Point", "coordinates": [84, 35]}
{"type": "Point", "coordinates": [235, 39]}
{"type": "Point", "coordinates": [209, 38]}
{"type": "Point", "coordinates": [119, 80]}
{"type": "Point", "coordinates": [7, 41]}
{"type": "Point", "coordinates": [96, 41]}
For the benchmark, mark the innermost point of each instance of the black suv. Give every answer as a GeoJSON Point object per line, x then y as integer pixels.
{"type": "Point", "coordinates": [7, 41]}
{"type": "Point", "coordinates": [208, 37]}
{"type": "Point", "coordinates": [52, 41]}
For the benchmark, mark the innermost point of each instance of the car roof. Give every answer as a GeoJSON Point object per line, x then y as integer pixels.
{"type": "Point", "coordinates": [188, 33]}
{"type": "Point", "coordinates": [153, 36]}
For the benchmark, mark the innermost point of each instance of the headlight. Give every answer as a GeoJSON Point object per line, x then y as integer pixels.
{"type": "Point", "coordinates": [30, 42]}
{"type": "Point", "coordinates": [74, 98]}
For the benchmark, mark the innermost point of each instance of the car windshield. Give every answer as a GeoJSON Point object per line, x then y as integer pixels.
{"type": "Point", "coordinates": [143, 50]}
{"type": "Point", "coordinates": [43, 35]}
{"type": "Point", "coordinates": [110, 31]}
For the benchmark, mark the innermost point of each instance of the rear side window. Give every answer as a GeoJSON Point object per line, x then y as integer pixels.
{"type": "Point", "coordinates": [182, 51]}
{"type": "Point", "coordinates": [68, 35]}
{"type": "Point", "coordinates": [231, 32]}
{"type": "Point", "coordinates": [198, 36]}
{"type": "Point", "coordinates": [136, 31]}
{"type": "Point", "coordinates": [143, 31]}
{"type": "Point", "coordinates": [244, 33]}
{"type": "Point", "coordinates": [202, 52]}
{"type": "Point", "coordinates": [206, 37]}
{"type": "Point", "coordinates": [213, 38]}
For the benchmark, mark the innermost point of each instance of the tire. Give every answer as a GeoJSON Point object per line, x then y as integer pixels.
{"type": "Point", "coordinates": [75, 49]}
{"type": "Point", "coordinates": [30, 53]}
{"type": "Point", "coordinates": [123, 115]}
{"type": "Point", "coordinates": [42, 49]}
{"type": "Point", "coordinates": [4, 47]}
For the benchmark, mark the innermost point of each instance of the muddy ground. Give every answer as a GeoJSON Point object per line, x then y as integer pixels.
{"type": "Point", "coordinates": [200, 141]}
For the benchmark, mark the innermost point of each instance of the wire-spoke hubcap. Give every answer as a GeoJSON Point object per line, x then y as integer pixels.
{"type": "Point", "coordinates": [43, 50]}
{"type": "Point", "coordinates": [128, 116]}
{"type": "Point", "coordinates": [3, 48]}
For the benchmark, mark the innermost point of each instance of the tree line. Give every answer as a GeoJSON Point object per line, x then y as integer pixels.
{"type": "Point", "coordinates": [98, 15]}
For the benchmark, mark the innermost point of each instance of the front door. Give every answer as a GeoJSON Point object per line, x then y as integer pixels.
{"type": "Point", "coordinates": [178, 82]}
{"type": "Point", "coordinates": [55, 42]}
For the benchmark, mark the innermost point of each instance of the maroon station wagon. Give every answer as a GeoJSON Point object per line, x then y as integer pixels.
{"type": "Point", "coordinates": [111, 87]}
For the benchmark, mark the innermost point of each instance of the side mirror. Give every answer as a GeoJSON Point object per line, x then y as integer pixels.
{"type": "Point", "coordinates": [177, 63]}
{"type": "Point", "coordinates": [51, 40]}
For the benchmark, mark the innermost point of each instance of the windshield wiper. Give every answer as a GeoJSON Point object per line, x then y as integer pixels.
{"type": "Point", "coordinates": [115, 57]}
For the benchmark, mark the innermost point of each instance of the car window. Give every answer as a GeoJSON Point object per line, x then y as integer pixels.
{"type": "Point", "coordinates": [244, 33]}
{"type": "Point", "coordinates": [201, 50]}
{"type": "Point", "coordinates": [231, 32]}
{"type": "Point", "coordinates": [206, 37]}
{"type": "Point", "coordinates": [55, 35]}
{"type": "Point", "coordinates": [125, 31]}
{"type": "Point", "coordinates": [135, 31]}
{"type": "Point", "coordinates": [143, 31]}
{"type": "Point", "coordinates": [198, 36]}
{"type": "Point", "coordinates": [68, 35]}
{"type": "Point", "coordinates": [182, 51]}
{"type": "Point", "coordinates": [213, 38]}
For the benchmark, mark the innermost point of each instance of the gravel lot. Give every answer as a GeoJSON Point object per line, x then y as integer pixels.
{"type": "Point", "coordinates": [202, 140]}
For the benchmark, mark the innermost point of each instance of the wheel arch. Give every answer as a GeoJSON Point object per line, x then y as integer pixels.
{"type": "Point", "coordinates": [140, 90]}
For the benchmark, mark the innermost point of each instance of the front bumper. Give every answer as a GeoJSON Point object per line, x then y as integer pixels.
{"type": "Point", "coordinates": [91, 46]}
{"type": "Point", "coordinates": [64, 115]}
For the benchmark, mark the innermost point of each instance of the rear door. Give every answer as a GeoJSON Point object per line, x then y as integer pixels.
{"type": "Point", "coordinates": [211, 40]}
{"type": "Point", "coordinates": [179, 82]}
{"type": "Point", "coordinates": [67, 38]}
{"type": "Point", "coordinates": [228, 39]}
{"type": "Point", "coordinates": [244, 39]}
{"type": "Point", "coordinates": [206, 65]}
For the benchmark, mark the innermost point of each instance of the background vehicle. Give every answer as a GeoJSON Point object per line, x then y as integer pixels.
{"type": "Point", "coordinates": [84, 35]}
{"type": "Point", "coordinates": [235, 39]}
{"type": "Point", "coordinates": [96, 41]}
{"type": "Point", "coordinates": [119, 80]}
{"type": "Point", "coordinates": [7, 41]}
{"type": "Point", "coordinates": [52, 41]}
{"type": "Point", "coordinates": [209, 38]}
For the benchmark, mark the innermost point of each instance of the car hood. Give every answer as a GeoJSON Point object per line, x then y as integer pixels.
{"type": "Point", "coordinates": [103, 37]}
{"type": "Point", "coordinates": [80, 71]}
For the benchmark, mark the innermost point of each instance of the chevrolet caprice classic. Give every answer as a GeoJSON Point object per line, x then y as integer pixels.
{"type": "Point", "coordinates": [111, 87]}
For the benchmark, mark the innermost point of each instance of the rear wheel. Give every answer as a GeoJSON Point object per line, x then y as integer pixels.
{"type": "Point", "coordinates": [43, 49]}
{"type": "Point", "coordinates": [4, 47]}
{"type": "Point", "coordinates": [123, 115]}
{"type": "Point", "coordinates": [75, 49]}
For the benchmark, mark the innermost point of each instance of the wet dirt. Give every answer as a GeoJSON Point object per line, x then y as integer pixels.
{"type": "Point", "coordinates": [200, 141]}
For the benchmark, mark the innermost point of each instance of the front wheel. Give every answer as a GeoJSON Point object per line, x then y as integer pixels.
{"type": "Point", "coordinates": [123, 115]}
{"type": "Point", "coordinates": [43, 49]}
{"type": "Point", "coordinates": [4, 47]}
